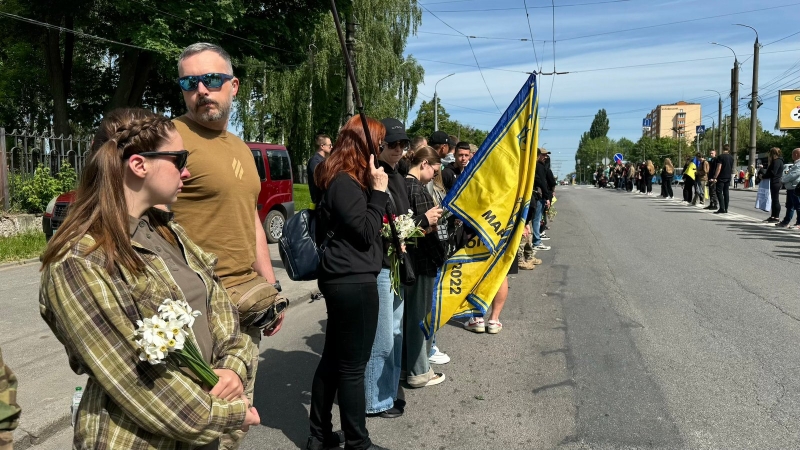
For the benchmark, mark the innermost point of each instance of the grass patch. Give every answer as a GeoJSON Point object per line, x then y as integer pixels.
{"type": "Point", "coordinates": [26, 245]}
{"type": "Point", "coordinates": [302, 198]}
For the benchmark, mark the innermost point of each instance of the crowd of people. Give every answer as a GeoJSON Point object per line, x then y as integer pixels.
{"type": "Point", "coordinates": [165, 209]}
{"type": "Point", "coordinates": [709, 179]}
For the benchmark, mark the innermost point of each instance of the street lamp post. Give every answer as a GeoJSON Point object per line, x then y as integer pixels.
{"type": "Point", "coordinates": [753, 97]}
{"type": "Point", "coordinates": [580, 180]}
{"type": "Point", "coordinates": [719, 152]}
{"type": "Point", "coordinates": [436, 104]}
{"type": "Point", "coordinates": [734, 100]}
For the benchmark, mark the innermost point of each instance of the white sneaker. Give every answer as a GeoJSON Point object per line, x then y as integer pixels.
{"type": "Point", "coordinates": [475, 325]}
{"type": "Point", "coordinates": [542, 247]}
{"type": "Point", "coordinates": [439, 357]}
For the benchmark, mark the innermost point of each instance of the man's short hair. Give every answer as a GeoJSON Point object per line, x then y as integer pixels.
{"type": "Point", "coordinates": [319, 138]}
{"type": "Point", "coordinates": [463, 145]}
{"type": "Point", "coordinates": [452, 140]}
{"type": "Point", "coordinates": [201, 47]}
{"type": "Point", "coordinates": [726, 148]}
{"type": "Point", "coordinates": [418, 142]}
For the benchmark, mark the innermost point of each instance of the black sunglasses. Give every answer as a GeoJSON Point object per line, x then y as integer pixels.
{"type": "Point", "coordinates": [401, 143]}
{"type": "Point", "coordinates": [210, 80]}
{"type": "Point", "coordinates": [181, 157]}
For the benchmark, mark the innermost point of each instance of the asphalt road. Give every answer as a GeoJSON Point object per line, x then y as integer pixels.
{"type": "Point", "coordinates": [650, 324]}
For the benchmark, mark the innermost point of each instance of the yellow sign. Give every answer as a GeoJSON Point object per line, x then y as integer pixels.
{"type": "Point", "coordinates": [789, 110]}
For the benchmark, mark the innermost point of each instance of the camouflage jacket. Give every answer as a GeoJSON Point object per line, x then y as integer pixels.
{"type": "Point", "coordinates": [9, 409]}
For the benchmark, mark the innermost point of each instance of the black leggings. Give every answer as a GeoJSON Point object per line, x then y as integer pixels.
{"type": "Point", "coordinates": [688, 191]}
{"type": "Point", "coordinates": [352, 321]}
{"type": "Point", "coordinates": [667, 183]}
{"type": "Point", "coordinates": [648, 182]}
{"type": "Point", "coordinates": [775, 193]}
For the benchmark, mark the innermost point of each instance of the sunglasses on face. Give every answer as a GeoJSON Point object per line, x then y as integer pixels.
{"type": "Point", "coordinates": [209, 80]}
{"type": "Point", "coordinates": [393, 145]}
{"type": "Point", "coordinates": [181, 157]}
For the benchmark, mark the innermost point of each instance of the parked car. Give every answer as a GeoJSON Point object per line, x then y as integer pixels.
{"type": "Point", "coordinates": [275, 201]}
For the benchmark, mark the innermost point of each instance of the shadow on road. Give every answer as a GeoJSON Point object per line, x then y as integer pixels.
{"type": "Point", "coordinates": [283, 388]}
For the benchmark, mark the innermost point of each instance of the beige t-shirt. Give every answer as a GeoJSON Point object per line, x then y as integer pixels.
{"type": "Point", "coordinates": [217, 204]}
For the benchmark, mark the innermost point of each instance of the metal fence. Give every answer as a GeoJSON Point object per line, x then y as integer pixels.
{"type": "Point", "coordinates": [22, 152]}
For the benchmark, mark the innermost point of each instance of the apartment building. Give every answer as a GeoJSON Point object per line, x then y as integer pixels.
{"type": "Point", "coordinates": [676, 120]}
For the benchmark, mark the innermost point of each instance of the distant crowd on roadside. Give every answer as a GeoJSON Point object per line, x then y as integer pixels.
{"type": "Point", "coordinates": [710, 178]}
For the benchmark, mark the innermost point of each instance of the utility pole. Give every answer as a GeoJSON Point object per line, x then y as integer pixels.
{"type": "Point", "coordinates": [735, 111]}
{"type": "Point", "coordinates": [753, 97]}
{"type": "Point", "coordinates": [719, 152]}
{"type": "Point", "coordinates": [436, 103]}
{"type": "Point", "coordinates": [350, 40]}
{"type": "Point", "coordinates": [714, 130]}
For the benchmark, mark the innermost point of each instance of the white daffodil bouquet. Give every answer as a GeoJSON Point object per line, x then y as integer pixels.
{"type": "Point", "coordinates": [407, 231]}
{"type": "Point", "coordinates": [168, 338]}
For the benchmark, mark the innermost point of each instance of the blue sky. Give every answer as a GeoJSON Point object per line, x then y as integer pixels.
{"type": "Point", "coordinates": [591, 37]}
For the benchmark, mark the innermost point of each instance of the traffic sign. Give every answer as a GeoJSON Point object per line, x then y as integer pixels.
{"type": "Point", "coordinates": [647, 123]}
{"type": "Point", "coordinates": [573, 176]}
{"type": "Point", "coordinates": [700, 129]}
{"type": "Point", "coordinates": [618, 158]}
{"type": "Point", "coordinates": [605, 161]}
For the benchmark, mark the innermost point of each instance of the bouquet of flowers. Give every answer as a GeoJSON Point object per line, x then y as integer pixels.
{"type": "Point", "coordinates": [167, 337]}
{"type": "Point", "coordinates": [407, 230]}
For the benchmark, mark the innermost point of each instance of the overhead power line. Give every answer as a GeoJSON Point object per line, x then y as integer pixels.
{"type": "Point", "coordinates": [678, 22]}
{"type": "Point", "coordinates": [75, 32]}
{"type": "Point", "coordinates": [527, 7]}
{"type": "Point", "coordinates": [530, 30]}
{"type": "Point", "coordinates": [477, 37]}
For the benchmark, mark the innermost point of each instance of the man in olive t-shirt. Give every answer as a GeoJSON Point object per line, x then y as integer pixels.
{"type": "Point", "coordinates": [218, 204]}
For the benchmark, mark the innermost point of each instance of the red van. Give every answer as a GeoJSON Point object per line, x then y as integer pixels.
{"type": "Point", "coordinates": [275, 202]}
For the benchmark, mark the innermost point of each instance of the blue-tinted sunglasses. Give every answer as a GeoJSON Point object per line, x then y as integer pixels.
{"type": "Point", "coordinates": [210, 80]}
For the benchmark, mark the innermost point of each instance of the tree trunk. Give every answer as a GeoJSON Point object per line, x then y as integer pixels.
{"type": "Point", "coordinates": [134, 70]}
{"type": "Point", "coordinates": [55, 75]}
{"type": "Point", "coordinates": [69, 51]}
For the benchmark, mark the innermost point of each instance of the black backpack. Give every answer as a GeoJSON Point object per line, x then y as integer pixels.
{"type": "Point", "coordinates": [298, 247]}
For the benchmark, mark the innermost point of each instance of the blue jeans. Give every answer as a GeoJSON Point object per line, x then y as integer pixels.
{"type": "Point", "coordinates": [792, 204]}
{"type": "Point", "coordinates": [382, 375]}
{"type": "Point", "coordinates": [537, 223]}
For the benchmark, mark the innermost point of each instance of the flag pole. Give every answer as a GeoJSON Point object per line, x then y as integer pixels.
{"type": "Point", "coordinates": [352, 76]}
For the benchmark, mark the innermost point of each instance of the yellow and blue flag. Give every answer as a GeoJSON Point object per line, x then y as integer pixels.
{"type": "Point", "coordinates": [491, 196]}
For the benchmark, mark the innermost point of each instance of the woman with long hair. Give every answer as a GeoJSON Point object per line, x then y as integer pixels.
{"type": "Point", "coordinates": [667, 173]}
{"type": "Point", "coordinates": [352, 208]}
{"type": "Point", "coordinates": [648, 177]}
{"type": "Point", "coordinates": [114, 260]}
{"type": "Point", "coordinates": [427, 256]}
{"type": "Point", "coordinates": [774, 173]}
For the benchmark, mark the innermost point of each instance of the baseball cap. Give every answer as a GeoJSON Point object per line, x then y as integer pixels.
{"type": "Point", "coordinates": [543, 151]}
{"type": "Point", "coordinates": [440, 137]}
{"type": "Point", "coordinates": [395, 130]}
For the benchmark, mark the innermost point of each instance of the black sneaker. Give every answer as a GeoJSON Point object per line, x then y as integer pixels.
{"type": "Point", "coordinates": [333, 442]}
{"type": "Point", "coordinates": [391, 413]}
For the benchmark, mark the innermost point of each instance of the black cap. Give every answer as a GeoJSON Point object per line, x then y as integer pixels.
{"type": "Point", "coordinates": [440, 137]}
{"type": "Point", "coordinates": [395, 130]}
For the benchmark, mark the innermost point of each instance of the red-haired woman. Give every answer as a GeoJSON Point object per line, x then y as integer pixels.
{"type": "Point", "coordinates": [351, 213]}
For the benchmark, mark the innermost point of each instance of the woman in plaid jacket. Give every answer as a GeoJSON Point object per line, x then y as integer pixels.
{"type": "Point", "coordinates": [113, 262]}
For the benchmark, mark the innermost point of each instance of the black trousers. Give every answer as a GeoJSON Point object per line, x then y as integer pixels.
{"type": "Point", "coordinates": [352, 321]}
{"type": "Point", "coordinates": [688, 189]}
{"type": "Point", "coordinates": [712, 193]}
{"type": "Point", "coordinates": [775, 193]}
{"type": "Point", "coordinates": [667, 184]}
{"type": "Point", "coordinates": [723, 194]}
{"type": "Point", "coordinates": [648, 182]}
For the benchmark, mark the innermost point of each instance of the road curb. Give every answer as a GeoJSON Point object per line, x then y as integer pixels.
{"type": "Point", "coordinates": [25, 438]}
{"type": "Point", "coordinates": [22, 262]}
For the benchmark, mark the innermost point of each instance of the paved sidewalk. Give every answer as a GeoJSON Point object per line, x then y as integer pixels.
{"type": "Point", "coordinates": [46, 383]}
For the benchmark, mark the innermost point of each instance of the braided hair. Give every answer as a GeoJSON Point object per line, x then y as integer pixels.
{"type": "Point", "coordinates": [100, 208]}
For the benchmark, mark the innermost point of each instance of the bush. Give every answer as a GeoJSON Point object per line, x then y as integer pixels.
{"type": "Point", "coordinates": [32, 194]}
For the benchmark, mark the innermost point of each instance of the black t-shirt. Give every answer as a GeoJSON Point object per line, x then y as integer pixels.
{"type": "Point", "coordinates": [449, 175]}
{"type": "Point", "coordinates": [316, 193]}
{"type": "Point", "coordinates": [725, 162]}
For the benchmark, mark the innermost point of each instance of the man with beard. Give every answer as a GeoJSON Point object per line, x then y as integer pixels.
{"type": "Point", "coordinates": [217, 205]}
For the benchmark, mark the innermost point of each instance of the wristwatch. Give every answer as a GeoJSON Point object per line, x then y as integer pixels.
{"type": "Point", "coordinates": [277, 285]}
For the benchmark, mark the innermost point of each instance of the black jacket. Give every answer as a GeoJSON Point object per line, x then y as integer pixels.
{"type": "Point", "coordinates": [397, 187]}
{"type": "Point", "coordinates": [775, 170]}
{"type": "Point", "coordinates": [355, 252]}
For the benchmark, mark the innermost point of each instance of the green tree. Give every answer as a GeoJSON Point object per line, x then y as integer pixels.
{"type": "Point", "coordinates": [85, 77]}
{"type": "Point", "coordinates": [291, 106]}
{"type": "Point", "coordinates": [600, 125]}
{"type": "Point", "coordinates": [423, 123]}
